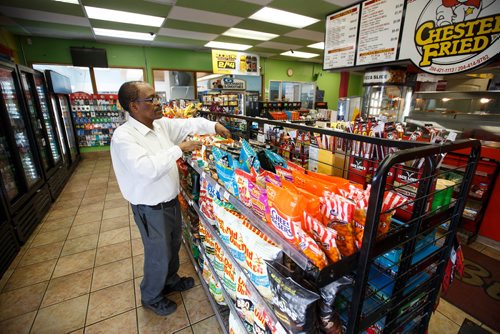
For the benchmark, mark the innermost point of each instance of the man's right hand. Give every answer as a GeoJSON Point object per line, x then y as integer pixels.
{"type": "Point", "coordinates": [190, 145]}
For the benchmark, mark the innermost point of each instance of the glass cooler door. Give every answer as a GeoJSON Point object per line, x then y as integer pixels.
{"type": "Point", "coordinates": [7, 169]}
{"type": "Point", "coordinates": [68, 125]}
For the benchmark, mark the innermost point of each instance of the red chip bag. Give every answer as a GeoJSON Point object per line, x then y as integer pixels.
{"type": "Point", "coordinates": [243, 179]}
{"type": "Point", "coordinates": [338, 213]}
{"type": "Point", "coordinates": [323, 235]}
{"type": "Point", "coordinates": [310, 248]}
{"type": "Point", "coordinates": [284, 173]}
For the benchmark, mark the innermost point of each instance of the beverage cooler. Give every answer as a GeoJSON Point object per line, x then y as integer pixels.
{"type": "Point", "coordinates": [26, 195]}
{"type": "Point", "coordinates": [43, 124]}
{"type": "Point", "coordinates": [59, 90]}
{"type": "Point", "coordinates": [9, 246]}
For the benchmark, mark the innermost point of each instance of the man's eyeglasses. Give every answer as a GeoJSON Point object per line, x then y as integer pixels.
{"type": "Point", "coordinates": [155, 99]}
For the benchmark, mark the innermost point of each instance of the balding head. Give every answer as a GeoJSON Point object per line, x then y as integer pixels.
{"type": "Point", "coordinates": [129, 92]}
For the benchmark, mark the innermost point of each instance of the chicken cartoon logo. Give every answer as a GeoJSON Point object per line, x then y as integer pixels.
{"type": "Point", "coordinates": [451, 36]}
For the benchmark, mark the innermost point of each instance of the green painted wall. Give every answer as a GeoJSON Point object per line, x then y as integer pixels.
{"type": "Point", "coordinates": [9, 40]}
{"type": "Point", "coordinates": [51, 50]}
{"type": "Point", "coordinates": [355, 85]}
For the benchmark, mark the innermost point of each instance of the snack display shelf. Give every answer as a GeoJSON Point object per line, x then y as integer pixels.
{"type": "Point", "coordinates": [258, 299]}
{"type": "Point", "coordinates": [227, 299]}
{"type": "Point", "coordinates": [297, 256]}
{"type": "Point", "coordinates": [218, 310]}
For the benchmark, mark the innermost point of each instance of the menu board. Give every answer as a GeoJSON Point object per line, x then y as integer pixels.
{"type": "Point", "coordinates": [340, 38]}
{"type": "Point", "coordinates": [379, 31]}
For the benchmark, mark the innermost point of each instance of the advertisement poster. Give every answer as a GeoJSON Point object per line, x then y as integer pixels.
{"type": "Point", "coordinates": [450, 36]}
{"type": "Point", "coordinates": [340, 38]}
{"type": "Point", "coordinates": [379, 31]}
{"type": "Point", "coordinates": [233, 62]}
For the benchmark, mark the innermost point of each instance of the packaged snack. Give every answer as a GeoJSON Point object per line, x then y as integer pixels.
{"type": "Point", "coordinates": [216, 291]}
{"type": "Point", "coordinates": [310, 248]}
{"type": "Point", "coordinates": [209, 244]}
{"type": "Point", "coordinates": [339, 181]}
{"type": "Point", "coordinates": [294, 167]}
{"type": "Point", "coordinates": [205, 272]}
{"type": "Point", "coordinates": [260, 205]}
{"type": "Point", "coordinates": [323, 235]}
{"type": "Point", "coordinates": [242, 180]}
{"type": "Point", "coordinates": [338, 214]}
{"type": "Point", "coordinates": [230, 279]}
{"type": "Point", "coordinates": [233, 324]}
{"type": "Point", "coordinates": [260, 248]}
{"type": "Point", "coordinates": [220, 217]}
{"type": "Point", "coordinates": [315, 186]}
{"type": "Point", "coordinates": [285, 210]}
{"type": "Point", "coordinates": [284, 173]}
{"type": "Point", "coordinates": [259, 324]}
{"type": "Point", "coordinates": [294, 305]}
{"type": "Point", "coordinates": [276, 159]}
{"type": "Point", "coordinates": [218, 262]}
{"type": "Point", "coordinates": [207, 194]}
{"type": "Point", "coordinates": [248, 157]}
{"type": "Point", "coordinates": [329, 318]}
{"type": "Point", "coordinates": [270, 178]}
{"type": "Point", "coordinates": [265, 162]}
{"type": "Point", "coordinates": [234, 221]}
{"type": "Point", "coordinates": [224, 165]}
{"type": "Point", "coordinates": [244, 304]}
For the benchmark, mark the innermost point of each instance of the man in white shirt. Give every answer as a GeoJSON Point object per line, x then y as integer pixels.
{"type": "Point", "coordinates": [144, 151]}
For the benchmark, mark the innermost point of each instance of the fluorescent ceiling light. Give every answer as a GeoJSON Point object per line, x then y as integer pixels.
{"type": "Point", "coordinates": [123, 34]}
{"type": "Point", "coordinates": [276, 16]}
{"type": "Point", "coordinates": [299, 54]}
{"type": "Point", "coordinates": [227, 46]}
{"type": "Point", "coordinates": [75, 2]}
{"type": "Point", "coordinates": [209, 76]}
{"type": "Point", "coordinates": [250, 34]}
{"type": "Point", "coordinates": [124, 17]}
{"type": "Point", "coordinates": [320, 45]}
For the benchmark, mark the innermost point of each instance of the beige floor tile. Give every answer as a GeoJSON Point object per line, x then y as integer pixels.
{"type": "Point", "coordinates": [207, 326]}
{"type": "Point", "coordinates": [114, 223]}
{"type": "Point", "coordinates": [67, 204]}
{"type": "Point", "coordinates": [186, 330]}
{"type": "Point", "coordinates": [113, 195]}
{"type": "Point", "coordinates": [71, 195]}
{"type": "Point", "coordinates": [114, 236]}
{"type": "Point", "coordinates": [440, 324]}
{"type": "Point", "coordinates": [87, 218]}
{"type": "Point", "coordinates": [197, 304]}
{"type": "Point", "coordinates": [111, 301]}
{"type": "Point", "coordinates": [52, 225]}
{"type": "Point", "coordinates": [51, 237]}
{"type": "Point", "coordinates": [31, 296]}
{"type": "Point", "coordinates": [78, 331]}
{"type": "Point", "coordinates": [112, 253]}
{"type": "Point", "coordinates": [88, 208]}
{"type": "Point", "coordinates": [491, 252]}
{"type": "Point", "coordinates": [137, 247]}
{"type": "Point", "coordinates": [62, 213]}
{"type": "Point", "coordinates": [18, 325]}
{"type": "Point", "coordinates": [113, 189]}
{"type": "Point", "coordinates": [183, 255]}
{"type": "Point", "coordinates": [70, 316]}
{"type": "Point", "coordinates": [99, 180]}
{"type": "Point", "coordinates": [454, 313]}
{"type": "Point", "coordinates": [98, 189]}
{"type": "Point", "coordinates": [115, 212]}
{"type": "Point", "coordinates": [67, 287]}
{"type": "Point", "coordinates": [112, 274]}
{"type": "Point", "coordinates": [81, 244]}
{"type": "Point", "coordinates": [93, 198]}
{"type": "Point", "coordinates": [149, 322]}
{"type": "Point", "coordinates": [19, 257]}
{"type": "Point", "coordinates": [137, 289]}
{"type": "Point", "coordinates": [138, 265]}
{"type": "Point", "coordinates": [5, 278]}
{"type": "Point", "coordinates": [123, 323]}
{"type": "Point", "coordinates": [81, 230]}
{"type": "Point", "coordinates": [32, 274]}
{"type": "Point", "coordinates": [41, 254]}
{"type": "Point", "coordinates": [134, 231]}
{"type": "Point", "coordinates": [74, 263]}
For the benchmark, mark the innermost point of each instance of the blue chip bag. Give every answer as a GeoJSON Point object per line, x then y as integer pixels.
{"type": "Point", "coordinates": [224, 165]}
{"type": "Point", "coordinates": [275, 159]}
{"type": "Point", "coordinates": [248, 158]}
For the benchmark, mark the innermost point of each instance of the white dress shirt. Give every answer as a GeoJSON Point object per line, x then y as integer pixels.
{"type": "Point", "coordinates": [144, 160]}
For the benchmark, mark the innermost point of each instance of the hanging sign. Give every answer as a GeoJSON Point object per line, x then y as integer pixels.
{"type": "Point", "coordinates": [449, 36]}
{"type": "Point", "coordinates": [229, 83]}
{"type": "Point", "coordinates": [232, 62]}
{"type": "Point", "coordinates": [391, 76]}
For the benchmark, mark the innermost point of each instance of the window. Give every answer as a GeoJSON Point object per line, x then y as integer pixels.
{"type": "Point", "coordinates": [174, 85]}
{"type": "Point", "coordinates": [109, 80]}
{"type": "Point", "coordinates": [304, 92]}
{"type": "Point", "coordinates": [79, 76]}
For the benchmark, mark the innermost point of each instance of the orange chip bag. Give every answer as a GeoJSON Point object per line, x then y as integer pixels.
{"type": "Point", "coordinates": [294, 167]}
{"type": "Point", "coordinates": [311, 202]}
{"type": "Point", "coordinates": [323, 235]}
{"type": "Point", "coordinates": [285, 210]}
{"type": "Point", "coordinates": [338, 214]}
{"type": "Point", "coordinates": [315, 186]}
{"type": "Point", "coordinates": [284, 173]}
{"type": "Point", "coordinates": [310, 248]}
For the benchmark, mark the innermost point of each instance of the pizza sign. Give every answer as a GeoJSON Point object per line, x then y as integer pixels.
{"type": "Point", "coordinates": [451, 36]}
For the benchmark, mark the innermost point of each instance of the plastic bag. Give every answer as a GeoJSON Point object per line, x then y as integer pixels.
{"type": "Point", "coordinates": [248, 157]}
{"type": "Point", "coordinates": [329, 318]}
{"type": "Point", "coordinates": [323, 235]}
{"type": "Point", "coordinates": [224, 165]}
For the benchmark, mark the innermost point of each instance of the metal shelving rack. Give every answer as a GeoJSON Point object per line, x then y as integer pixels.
{"type": "Point", "coordinates": [398, 297]}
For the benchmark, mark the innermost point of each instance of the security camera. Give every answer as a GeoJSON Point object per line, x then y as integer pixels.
{"type": "Point", "coordinates": [151, 33]}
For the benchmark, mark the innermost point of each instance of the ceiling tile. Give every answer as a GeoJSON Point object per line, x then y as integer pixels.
{"type": "Point", "coordinates": [122, 26]}
{"type": "Point", "coordinates": [184, 41]}
{"type": "Point", "coordinates": [107, 39]}
{"type": "Point", "coordinates": [279, 46]}
{"type": "Point", "coordinates": [341, 3]}
{"type": "Point", "coordinates": [233, 8]}
{"type": "Point", "coordinates": [134, 6]}
{"type": "Point", "coordinates": [229, 39]}
{"type": "Point", "coordinates": [48, 6]}
{"type": "Point", "coordinates": [193, 26]}
{"type": "Point", "coordinates": [318, 26]}
{"type": "Point", "coordinates": [174, 45]}
{"type": "Point", "coordinates": [37, 15]}
{"type": "Point", "coordinates": [201, 16]}
{"type": "Point", "coordinates": [186, 34]}
{"type": "Point", "coordinates": [307, 34]}
{"type": "Point", "coordinates": [263, 26]}
{"type": "Point", "coordinates": [317, 8]}
{"type": "Point", "coordinates": [259, 2]}
{"type": "Point", "coordinates": [85, 33]}
{"type": "Point", "coordinates": [291, 40]}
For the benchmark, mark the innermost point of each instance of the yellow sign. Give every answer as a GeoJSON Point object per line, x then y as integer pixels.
{"type": "Point", "coordinates": [231, 62]}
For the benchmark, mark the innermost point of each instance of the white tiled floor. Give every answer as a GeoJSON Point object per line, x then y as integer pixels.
{"type": "Point", "coordinates": [80, 271]}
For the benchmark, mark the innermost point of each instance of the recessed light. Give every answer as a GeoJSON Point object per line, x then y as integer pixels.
{"type": "Point", "coordinates": [123, 17]}
{"type": "Point", "coordinates": [281, 17]}
{"type": "Point", "coordinates": [75, 2]}
{"type": "Point", "coordinates": [123, 34]}
{"type": "Point", "coordinates": [299, 54]}
{"type": "Point", "coordinates": [227, 46]}
{"type": "Point", "coordinates": [320, 45]}
{"type": "Point", "coordinates": [249, 34]}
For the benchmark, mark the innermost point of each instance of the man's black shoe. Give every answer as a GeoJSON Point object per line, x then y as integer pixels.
{"type": "Point", "coordinates": [164, 307]}
{"type": "Point", "coordinates": [185, 283]}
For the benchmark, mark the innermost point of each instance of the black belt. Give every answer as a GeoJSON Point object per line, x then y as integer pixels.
{"type": "Point", "coordinates": [164, 205]}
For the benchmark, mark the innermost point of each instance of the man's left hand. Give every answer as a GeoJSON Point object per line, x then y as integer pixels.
{"type": "Point", "coordinates": [222, 131]}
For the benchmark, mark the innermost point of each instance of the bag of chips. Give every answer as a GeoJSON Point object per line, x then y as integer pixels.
{"type": "Point", "coordinates": [230, 279]}
{"type": "Point", "coordinates": [285, 210]}
{"type": "Point", "coordinates": [338, 214]}
{"type": "Point", "coordinates": [293, 304]}
{"type": "Point", "coordinates": [329, 319]}
{"type": "Point", "coordinates": [268, 177]}
{"type": "Point", "coordinates": [259, 324]}
{"type": "Point", "coordinates": [244, 304]}
{"type": "Point", "coordinates": [248, 158]}
{"type": "Point", "coordinates": [218, 262]}
{"type": "Point", "coordinates": [294, 167]}
{"type": "Point", "coordinates": [260, 205]}
{"type": "Point", "coordinates": [224, 165]}
{"type": "Point", "coordinates": [243, 179]}
{"type": "Point", "coordinates": [323, 235]}
{"type": "Point", "coordinates": [216, 291]}
{"type": "Point", "coordinates": [276, 159]}
{"type": "Point", "coordinates": [284, 173]}
{"type": "Point", "coordinates": [234, 222]}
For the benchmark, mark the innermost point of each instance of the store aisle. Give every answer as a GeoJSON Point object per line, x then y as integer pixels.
{"type": "Point", "coordinates": [80, 271]}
